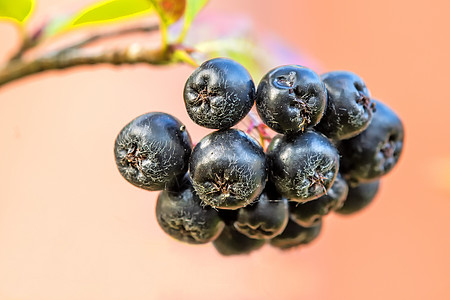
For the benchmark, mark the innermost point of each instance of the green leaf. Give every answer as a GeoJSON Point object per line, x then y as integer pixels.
{"type": "Point", "coordinates": [16, 10]}
{"type": "Point", "coordinates": [193, 7]}
{"type": "Point", "coordinates": [111, 10]}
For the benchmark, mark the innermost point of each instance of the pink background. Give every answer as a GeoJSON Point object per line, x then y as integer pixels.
{"type": "Point", "coordinates": [72, 228]}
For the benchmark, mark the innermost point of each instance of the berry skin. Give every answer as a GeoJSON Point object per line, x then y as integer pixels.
{"type": "Point", "coordinates": [349, 109]}
{"type": "Point", "coordinates": [375, 151]}
{"type": "Point", "coordinates": [153, 150]}
{"type": "Point", "coordinates": [359, 197]}
{"type": "Point", "coordinates": [228, 169]}
{"type": "Point", "coordinates": [310, 213]}
{"type": "Point", "coordinates": [231, 242]}
{"type": "Point", "coordinates": [181, 215]}
{"type": "Point", "coordinates": [302, 167]}
{"type": "Point", "coordinates": [295, 235]}
{"type": "Point", "coordinates": [290, 99]}
{"type": "Point", "coordinates": [219, 93]}
{"type": "Point", "coordinates": [265, 218]}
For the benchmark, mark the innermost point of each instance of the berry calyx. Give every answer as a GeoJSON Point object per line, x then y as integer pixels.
{"type": "Point", "coordinates": [228, 169]}
{"type": "Point", "coordinates": [153, 150]}
{"type": "Point", "coordinates": [219, 93]}
{"type": "Point", "coordinates": [290, 99]}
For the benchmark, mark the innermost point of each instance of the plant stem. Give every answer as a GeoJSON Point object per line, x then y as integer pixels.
{"type": "Point", "coordinates": [66, 59]}
{"type": "Point", "coordinates": [74, 55]}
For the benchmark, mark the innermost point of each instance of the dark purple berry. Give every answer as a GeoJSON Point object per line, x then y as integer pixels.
{"type": "Point", "coordinates": [264, 218]}
{"type": "Point", "coordinates": [310, 213]}
{"type": "Point", "coordinates": [375, 151]}
{"type": "Point", "coordinates": [349, 109]}
{"type": "Point", "coordinates": [302, 167]}
{"type": "Point", "coordinates": [290, 99]}
{"type": "Point", "coordinates": [359, 197]}
{"type": "Point", "coordinates": [153, 150]}
{"type": "Point", "coordinates": [228, 169]}
{"type": "Point", "coordinates": [231, 242]}
{"type": "Point", "coordinates": [182, 216]}
{"type": "Point", "coordinates": [219, 93]}
{"type": "Point", "coordinates": [295, 235]}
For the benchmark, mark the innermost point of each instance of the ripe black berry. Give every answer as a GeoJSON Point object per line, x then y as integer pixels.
{"type": "Point", "coordinates": [349, 109]}
{"type": "Point", "coordinates": [359, 197]}
{"type": "Point", "coordinates": [295, 235]}
{"type": "Point", "coordinates": [219, 93]}
{"type": "Point", "coordinates": [181, 215]}
{"type": "Point", "coordinates": [231, 242]}
{"type": "Point", "coordinates": [375, 151]}
{"type": "Point", "coordinates": [310, 213]}
{"type": "Point", "coordinates": [264, 218]}
{"type": "Point", "coordinates": [228, 169]}
{"type": "Point", "coordinates": [291, 98]}
{"type": "Point", "coordinates": [302, 167]}
{"type": "Point", "coordinates": [153, 150]}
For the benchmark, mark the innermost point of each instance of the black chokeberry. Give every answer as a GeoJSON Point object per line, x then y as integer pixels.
{"type": "Point", "coordinates": [182, 216]}
{"type": "Point", "coordinates": [219, 93]}
{"type": "Point", "coordinates": [291, 98]}
{"type": "Point", "coordinates": [375, 151]}
{"type": "Point", "coordinates": [302, 167]}
{"type": "Point", "coordinates": [295, 235]}
{"type": "Point", "coordinates": [153, 150]}
{"type": "Point", "coordinates": [266, 217]}
{"type": "Point", "coordinates": [310, 213]}
{"type": "Point", "coordinates": [232, 242]}
{"type": "Point", "coordinates": [349, 108]}
{"type": "Point", "coordinates": [359, 197]}
{"type": "Point", "coordinates": [228, 169]}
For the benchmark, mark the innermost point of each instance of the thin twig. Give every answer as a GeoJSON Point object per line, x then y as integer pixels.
{"type": "Point", "coordinates": [104, 35]}
{"type": "Point", "coordinates": [133, 54]}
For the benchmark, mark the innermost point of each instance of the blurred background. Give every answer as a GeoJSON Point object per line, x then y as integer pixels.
{"type": "Point", "coordinates": [72, 228]}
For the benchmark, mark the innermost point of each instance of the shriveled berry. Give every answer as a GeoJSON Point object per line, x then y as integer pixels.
{"type": "Point", "coordinates": [228, 169]}
{"type": "Point", "coordinates": [219, 93]}
{"type": "Point", "coordinates": [302, 167]}
{"type": "Point", "coordinates": [153, 150]}
{"type": "Point", "coordinates": [291, 98]}
{"type": "Point", "coordinates": [182, 216]}
{"type": "Point", "coordinates": [359, 197]}
{"type": "Point", "coordinates": [231, 242]}
{"type": "Point", "coordinates": [310, 213]}
{"type": "Point", "coordinates": [349, 108]}
{"type": "Point", "coordinates": [295, 235]}
{"type": "Point", "coordinates": [266, 217]}
{"type": "Point", "coordinates": [375, 151]}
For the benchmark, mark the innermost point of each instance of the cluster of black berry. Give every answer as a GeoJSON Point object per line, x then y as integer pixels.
{"type": "Point", "coordinates": [334, 144]}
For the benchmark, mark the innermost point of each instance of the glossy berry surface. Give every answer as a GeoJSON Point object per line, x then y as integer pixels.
{"type": "Point", "coordinates": [290, 99]}
{"type": "Point", "coordinates": [310, 213]}
{"type": "Point", "coordinates": [295, 235]}
{"type": "Point", "coordinates": [153, 150]}
{"type": "Point", "coordinates": [265, 218]}
{"type": "Point", "coordinates": [302, 167]}
{"type": "Point", "coordinates": [359, 197]}
{"type": "Point", "coordinates": [181, 215]}
{"type": "Point", "coordinates": [231, 242]}
{"type": "Point", "coordinates": [375, 151]}
{"type": "Point", "coordinates": [349, 108]}
{"type": "Point", "coordinates": [228, 169]}
{"type": "Point", "coordinates": [219, 93]}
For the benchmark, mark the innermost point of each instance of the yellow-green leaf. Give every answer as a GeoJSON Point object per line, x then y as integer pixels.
{"type": "Point", "coordinates": [193, 7]}
{"type": "Point", "coordinates": [111, 10]}
{"type": "Point", "coordinates": [16, 10]}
